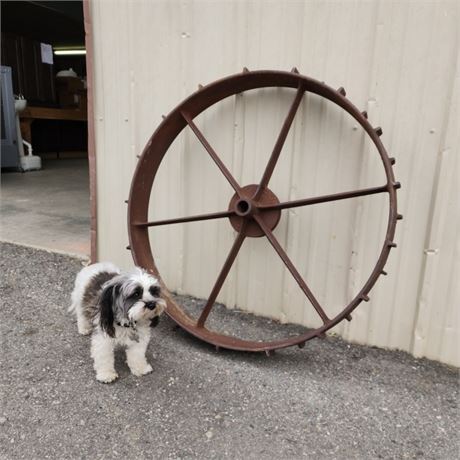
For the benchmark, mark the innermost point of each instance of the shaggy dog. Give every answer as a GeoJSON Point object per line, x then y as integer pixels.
{"type": "Point", "coordinates": [119, 309]}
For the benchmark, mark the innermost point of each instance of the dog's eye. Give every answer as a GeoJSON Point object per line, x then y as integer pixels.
{"type": "Point", "coordinates": [136, 294]}
{"type": "Point", "coordinates": [155, 291]}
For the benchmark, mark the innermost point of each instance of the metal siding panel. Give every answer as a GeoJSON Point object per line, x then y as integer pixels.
{"type": "Point", "coordinates": [436, 331]}
{"type": "Point", "coordinates": [395, 60]}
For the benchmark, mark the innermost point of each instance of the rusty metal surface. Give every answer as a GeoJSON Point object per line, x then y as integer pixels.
{"type": "Point", "coordinates": [243, 210]}
{"type": "Point", "coordinates": [254, 210]}
{"type": "Point", "coordinates": [89, 45]}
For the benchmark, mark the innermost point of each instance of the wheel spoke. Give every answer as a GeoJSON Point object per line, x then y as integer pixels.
{"type": "Point", "coordinates": [290, 266]}
{"type": "Point", "coordinates": [280, 142]}
{"type": "Point", "coordinates": [212, 153]}
{"type": "Point", "coordinates": [214, 215]}
{"type": "Point", "coordinates": [222, 276]}
{"type": "Point", "coordinates": [325, 198]}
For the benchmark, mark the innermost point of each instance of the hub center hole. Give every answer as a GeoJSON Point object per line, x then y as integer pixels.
{"type": "Point", "coordinates": [243, 207]}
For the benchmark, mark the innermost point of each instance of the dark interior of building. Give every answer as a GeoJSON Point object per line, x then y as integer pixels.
{"type": "Point", "coordinates": [44, 159]}
{"type": "Point", "coordinates": [33, 33]}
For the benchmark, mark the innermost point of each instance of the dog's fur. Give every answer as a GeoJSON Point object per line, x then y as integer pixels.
{"type": "Point", "coordinates": [118, 309]}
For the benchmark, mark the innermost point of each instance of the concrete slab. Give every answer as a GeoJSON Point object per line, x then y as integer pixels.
{"type": "Point", "coordinates": [48, 208]}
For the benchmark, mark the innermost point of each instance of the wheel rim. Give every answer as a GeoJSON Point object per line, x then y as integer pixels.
{"type": "Point", "coordinates": [254, 210]}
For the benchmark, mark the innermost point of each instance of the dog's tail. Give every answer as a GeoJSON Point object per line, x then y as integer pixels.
{"type": "Point", "coordinates": [74, 302]}
{"type": "Point", "coordinates": [72, 308]}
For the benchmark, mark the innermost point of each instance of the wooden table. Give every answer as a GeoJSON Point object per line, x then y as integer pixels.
{"type": "Point", "coordinates": [30, 114]}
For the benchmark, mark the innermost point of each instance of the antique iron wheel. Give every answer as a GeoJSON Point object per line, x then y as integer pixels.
{"type": "Point", "coordinates": [254, 210]}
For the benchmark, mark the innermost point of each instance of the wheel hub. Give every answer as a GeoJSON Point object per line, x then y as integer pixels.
{"type": "Point", "coordinates": [245, 207]}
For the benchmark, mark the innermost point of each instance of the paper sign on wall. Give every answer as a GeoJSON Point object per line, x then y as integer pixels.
{"type": "Point", "coordinates": [47, 53]}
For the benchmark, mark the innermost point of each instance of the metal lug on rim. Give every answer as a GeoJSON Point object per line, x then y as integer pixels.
{"type": "Point", "coordinates": [399, 216]}
{"type": "Point", "coordinates": [301, 344]}
{"type": "Point", "coordinates": [378, 131]}
{"type": "Point", "coordinates": [294, 70]}
{"type": "Point", "coordinates": [348, 317]}
{"type": "Point", "coordinates": [365, 298]}
{"type": "Point", "coordinates": [392, 244]}
{"type": "Point", "coordinates": [126, 201]}
{"type": "Point", "coordinates": [396, 185]}
{"type": "Point", "coordinates": [364, 114]}
{"type": "Point", "coordinates": [269, 352]}
{"type": "Point", "coordinates": [200, 86]}
{"type": "Point", "coordinates": [245, 70]}
{"type": "Point", "coordinates": [138, 156]}
{"type": "Point", "coordinates": [128, 248]}
{"type": "Point", "coordinates": [342, 91]}
{"type": "Point", "coordinates": [163, 116]}
{"type": "Point", "coordinates": [384, 273]}
{"type": "Point", "coordinates": [392, 160]}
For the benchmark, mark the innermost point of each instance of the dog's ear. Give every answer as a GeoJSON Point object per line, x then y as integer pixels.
{"type": "Point", "coordinates": [106, 309]}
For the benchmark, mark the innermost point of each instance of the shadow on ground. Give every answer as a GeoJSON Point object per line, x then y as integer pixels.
{"type": "Point", "coordinates": [330, 400]}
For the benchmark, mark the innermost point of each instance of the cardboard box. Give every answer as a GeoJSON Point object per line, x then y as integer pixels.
{"type": "Point", "coordinates": [70, 91]}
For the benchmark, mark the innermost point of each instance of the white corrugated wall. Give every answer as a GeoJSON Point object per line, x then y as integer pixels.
{"type": "Point", "coordinates": [397, 60]}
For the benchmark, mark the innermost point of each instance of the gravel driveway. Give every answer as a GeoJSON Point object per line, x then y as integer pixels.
{"type": "Point", "coordinates": [331, 400]}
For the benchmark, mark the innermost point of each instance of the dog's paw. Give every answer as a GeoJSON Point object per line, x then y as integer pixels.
{"type": "Point", "coordinates": [139, 371]}
{"type": "Point", "coordinates": [85, 331]}
{"type": "Point", "coordinates": [106, 376]}
{"type": "Point", "coordinates": [84, 327]}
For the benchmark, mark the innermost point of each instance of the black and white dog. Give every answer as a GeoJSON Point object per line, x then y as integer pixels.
{"type": "Point", "coordinates": [118, 309]}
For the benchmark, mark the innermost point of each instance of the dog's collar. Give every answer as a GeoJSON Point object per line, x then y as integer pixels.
{"type": "Point", "coordinates": [130, 324]}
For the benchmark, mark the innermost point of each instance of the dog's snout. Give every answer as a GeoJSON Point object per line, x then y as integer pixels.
{"type": "Point", "coordinates": [150, 305]}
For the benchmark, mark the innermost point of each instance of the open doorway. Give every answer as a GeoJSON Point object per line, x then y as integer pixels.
{"type": "Point", "coordinates": [45, 180]}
